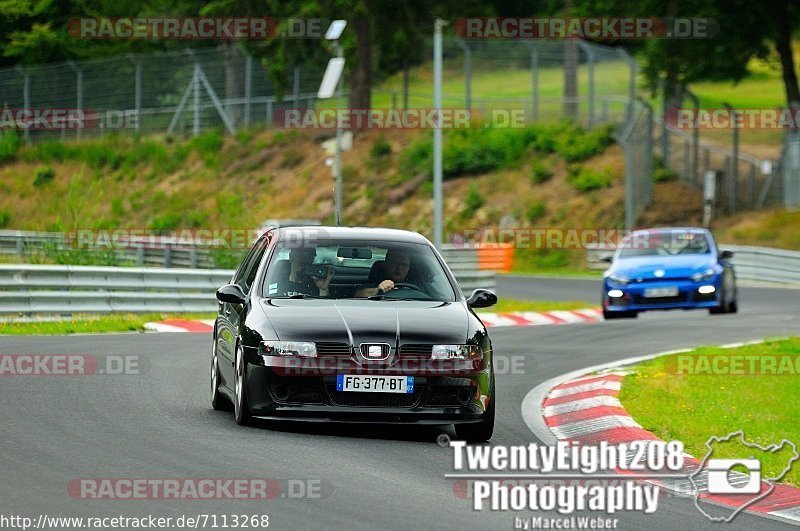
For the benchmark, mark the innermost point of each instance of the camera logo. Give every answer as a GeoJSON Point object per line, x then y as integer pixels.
{"type": "Point", "coordinates": [725, 476]}
{"type": "Point", "coordinates": [722, 481]}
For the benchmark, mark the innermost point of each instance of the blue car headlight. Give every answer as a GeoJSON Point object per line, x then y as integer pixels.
{"type": "Point", "coordinates": [618, 279]}
{"type": "Point", "coordinates": [706, 275]}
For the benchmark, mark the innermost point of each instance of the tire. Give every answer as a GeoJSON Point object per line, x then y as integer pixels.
{"type": "Point", "coordinates": [218, 401]}
{"type": "Point", "coordinates": [724, 305]}
{"type": "Point", "coordinates": [619, 315]}
{"type": "Point", "coordinates": [241, 409]}
{"type": "Point", "coordinates": [478, 432]}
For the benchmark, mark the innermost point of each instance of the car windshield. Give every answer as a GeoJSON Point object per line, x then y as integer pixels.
{"type": "Point", "coordinates": [356, 268]}
{"type": "Point", "coordinates": [664, 243]}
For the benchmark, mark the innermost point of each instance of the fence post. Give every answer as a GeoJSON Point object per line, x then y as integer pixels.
{"type": "Point", "coordinates": [296, 87]}
{"type": "Point", "coordinates": [140, 255]}
{"type": "Point", "coordinates": [734, 173]}
{"type": "Point", "coordinates": [137, 89]}
{"type": "Point", "coordinates": [631, 82]}
{"type": "Point", "coordinates": [196, 100]}
{"type": "Point", "coordinates": [590, 64]}
{"type": "Point", "coordinates": [791, 170]}
{"type": "Point", "coordinates": [664, 133]}
{"type": "Point", "coordinates": [248, 74]}
{"type": "Point", "coordinates": [534, 79]}
{"type": "Point", "coordinates": [467, 73]}
{"type": "Point", "coordinates": [695, 139]}
{"type": "Point", "coordinates": [26, 99]}
{"type": "Point", "coordinates": [78, 94]}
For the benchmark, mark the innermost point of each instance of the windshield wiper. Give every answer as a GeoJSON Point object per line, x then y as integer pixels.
{"type": "Point", "coordinates": [298, 296]}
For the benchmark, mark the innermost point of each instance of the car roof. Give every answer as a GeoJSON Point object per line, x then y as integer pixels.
{"type": "Point", "coordinates": [350, 233]}
{"type": "Point", "coordinates": [699, 230]}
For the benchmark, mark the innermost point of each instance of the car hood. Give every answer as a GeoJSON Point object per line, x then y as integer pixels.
{"type": "Point", "coordinates": [364, 321]}
{"type": "Point", "coordinates": [677, 266]}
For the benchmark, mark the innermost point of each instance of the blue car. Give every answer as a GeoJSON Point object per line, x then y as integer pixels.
{"type": "Point", "coordinates": [669, 268]}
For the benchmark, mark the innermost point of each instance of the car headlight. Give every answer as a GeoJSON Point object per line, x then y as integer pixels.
{"type": "Point", "coordinates": [619, 279]}
{"type": "Point", "coordinates": [289, 348]}
{"type": "Point", "coordinates": [456, 352]}
{"type": "Point", "coordinates": [708, 274]}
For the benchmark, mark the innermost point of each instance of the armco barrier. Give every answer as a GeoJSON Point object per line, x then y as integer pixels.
{"type": "Point", "coordinates": [762, 264]}
{"type": "Point", "coordinates": [47, 289]}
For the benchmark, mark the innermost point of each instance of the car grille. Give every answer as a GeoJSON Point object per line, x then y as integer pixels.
{"type": "Point", "coordinates": [340, 350]}
{"type": "Point", "coordinates": [341, 398]}
{"type": "Point", "coordinates": [416, 351]}
{"type": "Point", "coordinates": [641, 299]}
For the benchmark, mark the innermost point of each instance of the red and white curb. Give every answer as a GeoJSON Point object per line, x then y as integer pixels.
{"type": "Point", "coordinates": [180, 325]}
{"type": "Point", "coordinates": [583, 406]}
{"type": "Point", "coordinates": [555, 317]}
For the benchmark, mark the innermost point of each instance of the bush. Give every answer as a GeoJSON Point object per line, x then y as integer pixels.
{"type": "Point", "coordinates": [43, 175]}
{"type": "Point", "coordinates": [587, 179]}
{"type": "Point", "coordinates": [541, 172]}
{"type": "Point", "coordinates": [575, 144]}
{"type": "Point", "coordinates": [469, 151]}
{"type": "Point", "coordinates": [661, 175]}
{"type": "Point", "coordinates": [474, 199]}
{"type": "Point", "coordinates": [535, 212]}
{"type": "Point", "coordinates": [166, 222]}
{"type": "Point", "coordinates": [5, 218]}
{"type": "Point", "coordinates": [9, 145]}
{"type": "Point", "coordinates": [291, 158]}
{"type": "Point", "coordinates": [380, 148]}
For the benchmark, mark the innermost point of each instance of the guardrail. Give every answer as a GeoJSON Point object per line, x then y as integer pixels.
{"type": "Point", "coordinates": [48, 289]}
{"type": "Point", "coordinates": [22, 243]}
{"type": "Point", "coordinates": [763, 264]}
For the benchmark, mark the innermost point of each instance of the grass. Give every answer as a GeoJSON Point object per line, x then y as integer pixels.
{"type": "Point", "coordinates": [514, 305]}
{"type": "Point", "coordinates": [693, 407]}
{"type": "Point", "coordinates": [94, 324]}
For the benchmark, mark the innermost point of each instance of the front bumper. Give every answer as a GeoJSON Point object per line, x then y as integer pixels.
{"type": "Point", "coordinates": [634, 296]}
{"type": "Point", "coordinates": [288, 388]}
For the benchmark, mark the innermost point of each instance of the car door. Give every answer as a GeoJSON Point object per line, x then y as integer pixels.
{"type": "Point", "coordinates": [230, 315]}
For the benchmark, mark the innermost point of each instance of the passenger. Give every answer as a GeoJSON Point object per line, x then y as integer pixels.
{"type": "Point", "coordinates": [297, 282]}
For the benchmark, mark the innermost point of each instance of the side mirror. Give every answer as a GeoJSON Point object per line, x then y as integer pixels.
{"type": "Point", "coordinates": [725, 255]}
{"type": "Point", "coordinates": [607, 259]}
{"type": "Point", "coordinates": [482, 298]}
{"type": "Point", "coordinates": [231, 293]}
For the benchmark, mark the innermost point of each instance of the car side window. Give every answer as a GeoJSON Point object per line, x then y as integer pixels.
{"type": "Point", "coordinates": [238, 277]}
{"type": "Point", "coordinates": [255, 260]}
{"type": "Point", "coordinates": [250, 264]}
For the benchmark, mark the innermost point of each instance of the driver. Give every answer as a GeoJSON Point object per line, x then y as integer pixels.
{"type": "Point", "coordinates": [396, 266]}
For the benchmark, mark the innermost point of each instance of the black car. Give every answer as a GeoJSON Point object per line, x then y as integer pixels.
{"type": "Point", "coordinates": [352, 325]}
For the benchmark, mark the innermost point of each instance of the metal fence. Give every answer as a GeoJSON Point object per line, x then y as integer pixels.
{"type": "Point", "coordinates": [546, 79]}
{"type": "Point", "coordinates": [179, 92]}
{"type": "Point", "coordinates": [744, 182]}
{"type": "Point", "coordinates": [57, 289]}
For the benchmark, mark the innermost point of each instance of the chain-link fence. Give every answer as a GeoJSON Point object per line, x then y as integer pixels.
{"type": "Point", "coordinates": [546, 79]}
{"type": "Point", "coordinates": [744, 182]}
{"type": "Point", "coordinates": [180, 92]}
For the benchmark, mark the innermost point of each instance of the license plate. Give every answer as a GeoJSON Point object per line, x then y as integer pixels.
{"type": "Point", "coordinates": [375, 384]}
{"type": "Point", "coordinates": [669, 291]}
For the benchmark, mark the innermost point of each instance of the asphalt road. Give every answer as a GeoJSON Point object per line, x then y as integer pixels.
{"type": "Point", "coordinates": [158, 424]}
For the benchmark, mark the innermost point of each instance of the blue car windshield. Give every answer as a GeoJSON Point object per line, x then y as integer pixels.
{"type": "Point", "coordinates": [664, 243]}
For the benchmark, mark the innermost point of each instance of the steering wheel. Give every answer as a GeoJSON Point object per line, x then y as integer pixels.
{"type": "Point", "coordinates": [407, 285]}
